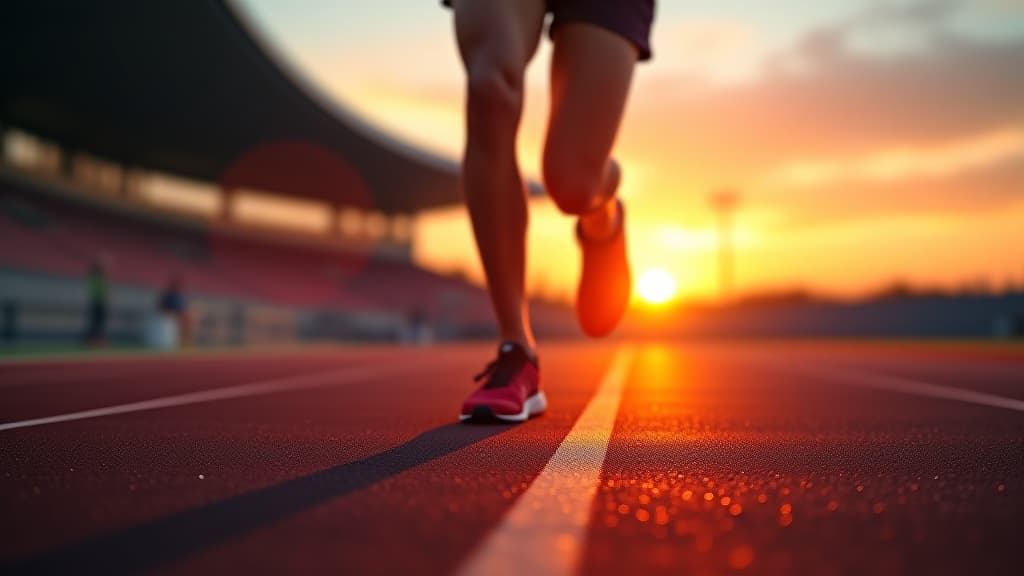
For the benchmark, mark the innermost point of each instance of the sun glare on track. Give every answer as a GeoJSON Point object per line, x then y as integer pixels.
{"type": "Point", "coordinates": [656, 286]}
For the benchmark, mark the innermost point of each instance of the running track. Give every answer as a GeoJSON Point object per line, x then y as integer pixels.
{"type": "Point", "coordinates": [713, 458]}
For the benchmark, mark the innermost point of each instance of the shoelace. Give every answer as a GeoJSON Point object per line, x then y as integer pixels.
{"type": "Point", "coordinates": [500, 371]}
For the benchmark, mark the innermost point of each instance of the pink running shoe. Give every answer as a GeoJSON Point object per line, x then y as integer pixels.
{"type": "Point", "coordinates": [510, 391]}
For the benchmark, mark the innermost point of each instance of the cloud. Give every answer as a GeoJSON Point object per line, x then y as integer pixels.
{"type": "Point", "coordinates": [843, 103]}
{"type": "Point", "coordinates": [904, 163]}
{"type": "Point", "coordinates": [974, 192]}
{"type": "Point", "coordinates": [939, 129]}
{"type": "Point", "coordinates": [711, 49]}
{"type": "Point", "coordinates": [926, 12]}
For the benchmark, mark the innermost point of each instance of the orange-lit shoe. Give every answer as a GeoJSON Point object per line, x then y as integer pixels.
{"type": "Point", "coordinates": [510, 391]}
{"type": "Point", "coordinates": [605, 282]}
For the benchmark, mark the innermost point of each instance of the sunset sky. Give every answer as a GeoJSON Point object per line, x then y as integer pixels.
{"type": "Point", "coordinates": [872, 141]}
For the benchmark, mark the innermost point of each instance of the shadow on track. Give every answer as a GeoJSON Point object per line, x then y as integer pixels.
{"type": "Point", "coordinates": [164, 540]}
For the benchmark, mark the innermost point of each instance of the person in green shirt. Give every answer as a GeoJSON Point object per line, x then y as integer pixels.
{"type": "Point", "coordinates": [98, 305]}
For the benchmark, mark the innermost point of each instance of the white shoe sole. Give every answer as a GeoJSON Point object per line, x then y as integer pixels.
{"type": "Point", "coordinates": [533, 406]}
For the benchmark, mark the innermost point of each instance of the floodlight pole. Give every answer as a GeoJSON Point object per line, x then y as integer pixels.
{"type": "Point", "coordinates": [724, 201]}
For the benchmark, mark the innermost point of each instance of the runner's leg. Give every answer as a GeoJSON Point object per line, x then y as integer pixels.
{"type": "Point", "coordinates": [591, 72]}
{"type": "Point", "coordinates": [497, 39]}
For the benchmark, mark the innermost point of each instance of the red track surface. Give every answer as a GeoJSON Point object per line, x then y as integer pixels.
{"type": "Point", "coordinates": [753, 458]}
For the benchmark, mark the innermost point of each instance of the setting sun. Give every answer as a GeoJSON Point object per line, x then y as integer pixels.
{"type": "Point", "coordinates": [656, 286]}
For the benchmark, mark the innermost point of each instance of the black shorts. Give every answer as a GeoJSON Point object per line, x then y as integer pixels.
{"type": "Point", "coordinates": [631, 19]}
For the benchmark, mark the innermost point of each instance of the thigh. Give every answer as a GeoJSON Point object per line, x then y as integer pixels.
{"type": "Point", "coordinates": [502, 33]}
{"type": "Point", "coordinates": [591, 71]}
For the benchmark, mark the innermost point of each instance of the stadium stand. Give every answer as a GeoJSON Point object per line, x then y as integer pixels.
{"type": "Point", "coordinates": [143, 103]}
{"type": "Point", "coordinates": [46, 230]}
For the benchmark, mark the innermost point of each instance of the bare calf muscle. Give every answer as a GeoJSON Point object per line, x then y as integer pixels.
{"type": "Point", "coordinates": [496, 40]}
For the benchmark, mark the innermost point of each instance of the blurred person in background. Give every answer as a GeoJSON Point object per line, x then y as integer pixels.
{"type": "Point", "coordinates": [596, 47]}
{"type": "Point", "coordinates": [174, 307]}
{"type": "Point", "coordinates": [98, 293]}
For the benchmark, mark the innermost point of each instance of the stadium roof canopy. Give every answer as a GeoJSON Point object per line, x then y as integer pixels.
{"type": "Point", "coordinates": [188, 87]}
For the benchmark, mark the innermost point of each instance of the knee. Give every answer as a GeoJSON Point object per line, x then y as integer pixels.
{"type": "Point", "coordinates": [572, 183]}
{"type": "Point", "coordinates": [494, 89]}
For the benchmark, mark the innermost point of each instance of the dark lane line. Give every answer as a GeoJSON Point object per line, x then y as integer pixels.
{"type": "Point", "coordinates": [67, 482]}
{"type": "Point", "coordinates": [427, 520]}
{"type": "Point", "coordinates": [287, 457]}
{"type": "Point", "coordinates": [846, 367]}
{"type": "Point", "coordinates": [1001, 380]}
{"type": "Point", "coordinates": [153, 544]}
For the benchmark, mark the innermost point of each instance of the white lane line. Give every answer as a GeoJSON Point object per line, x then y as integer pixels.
{"type": "Point", "coordinates": [283, 384]}
{"type": "Point", "coordinates": [852, 376]}
{"type": "Point", "coordinates": [542, 534]}
{"type": "Point", "coordinates": [920, 388]}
